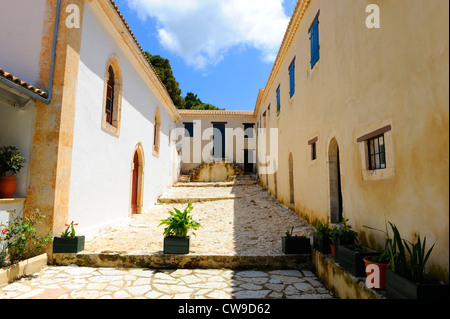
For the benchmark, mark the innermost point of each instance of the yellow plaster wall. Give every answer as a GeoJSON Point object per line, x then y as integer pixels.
{"type": "Point", "coordinates": [51, 151]}
{"type": "Point", "coordinates": [364, 80]}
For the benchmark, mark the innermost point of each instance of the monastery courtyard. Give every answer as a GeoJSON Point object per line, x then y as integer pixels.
{"type": "Point", "coordinates": [235, 254]}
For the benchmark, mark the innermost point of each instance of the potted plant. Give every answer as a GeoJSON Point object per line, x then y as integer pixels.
{"type": "Point", "coordinates": [345, 236]}
{"type": "Point", "coordinates": [351, 258]}
{"type": "Point", "coordinates": [406, 278]}
{"type": "Point", "coordinates": [333, 235]}
{"type": "Point", "coordinates": [176, 239]}
{"type": "Point", "coordinates": [321, 238]}
{"type": "Point", "coordinates": [10, 164]}
{"type": "Point", "coordinates": [68, 242]}
{"type": "Point", "coordinates": [380, 261]}
{"type": "Point", "coordinates": [295, 244]}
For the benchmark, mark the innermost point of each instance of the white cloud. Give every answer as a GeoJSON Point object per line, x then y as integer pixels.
{"type": "Point", "coordinates": [202, 31]}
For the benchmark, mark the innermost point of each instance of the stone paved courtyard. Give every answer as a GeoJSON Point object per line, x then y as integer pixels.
{"type": "Point", "coordinates": [71, 282]}
{"type": "Point", "coordinates": [249, 222]}
{"type": "Point", "coordinates": [239, 219]}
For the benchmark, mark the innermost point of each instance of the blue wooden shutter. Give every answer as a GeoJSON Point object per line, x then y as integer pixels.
{"type": "Point", "coordinates": [278, 100]}
{"type": "Point", "coordinates": [314, 34]}
{"type": "Point", "coordinates": [292, 78]}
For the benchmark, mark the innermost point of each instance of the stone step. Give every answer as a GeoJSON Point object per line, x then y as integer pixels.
{"type": "Point", "coordinates": [189, 261]}
{"type": "Point", "coordinates": [180, 200]}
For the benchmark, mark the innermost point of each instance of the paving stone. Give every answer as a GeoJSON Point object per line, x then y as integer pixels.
{"type": "Point", "coordinates": [251, 294]}
{"type": "Point", "coordinates": [251, 274]}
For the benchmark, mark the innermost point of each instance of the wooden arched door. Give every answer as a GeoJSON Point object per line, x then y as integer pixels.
{"type": "Point", "coordinates": [134, 187]}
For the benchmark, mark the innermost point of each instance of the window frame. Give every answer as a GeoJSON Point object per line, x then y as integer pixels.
{"type": "Point", "coordinates": [111, 119]}
{"type": "Point", "coordinates": [292, 78]}
{"type": "Point", "coordinates": [376, 150]}
{"type": "Point", "coordinates": [313, 144]}
{"type": "Point", "coordinates": [157, 133]}
{"type": "Point", "coordinates": [369, 174]}
{"type": "Point", "coordinates": [314, 41]}
{"type": "Point", "coordinates": [187, 132]}
{"type": "Point", "coordinates": [278, 96]}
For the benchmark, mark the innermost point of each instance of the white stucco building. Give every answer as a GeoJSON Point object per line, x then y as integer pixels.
{"type": "Point", "coordinates": [87, 111]}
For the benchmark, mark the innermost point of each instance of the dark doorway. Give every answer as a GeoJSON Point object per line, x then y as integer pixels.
{"type": "Point", "coordinates": [219, 141]}
{"type": "Point", "coordinates": [248, 161]}
{"type": "Point", "coordinates": [336, 203]}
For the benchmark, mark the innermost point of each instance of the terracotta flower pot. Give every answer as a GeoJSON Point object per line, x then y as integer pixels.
{"type": "Point", "coordinates": [7, 186]}
{"type": "Point", "coordinates": [332, 250]}
{"type": "Point", "coordinates": [382, 267]}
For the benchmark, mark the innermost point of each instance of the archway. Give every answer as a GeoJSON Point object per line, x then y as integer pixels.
{"type": "Point", "coordinates": [291, 180]}
{"type": "Point", "coordinates": [137, 181]}
{"type": "Point", "coordinates": [335, 197]}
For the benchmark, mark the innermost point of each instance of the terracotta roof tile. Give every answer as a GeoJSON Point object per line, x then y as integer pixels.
{"type": "Point", "coordinates": [24, 84]}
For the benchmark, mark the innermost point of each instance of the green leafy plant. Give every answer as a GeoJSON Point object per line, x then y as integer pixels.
{"type": "Point", "coordinates": [288, 232]}
{"type": "Point", "coordinates": [69, 231]}
{"type": "Point", "coordinates": [321, 228]}
{"type": "Point", "coordinates": [334, 234]}
{"type": "Point", "coordinates": [389, 251]}
{"type": "Point", "coordinates": [346, 234]}
{"type": "Point", "coordinates": [179, 223]}
{"type": "Point", "coordinates": [10, 160]}
{"type": "Point", "coordinates": [405, 258]}
{"type": "Point", "coordinates": [22, 238]}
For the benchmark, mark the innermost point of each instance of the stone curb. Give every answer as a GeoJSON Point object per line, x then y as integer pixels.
{"type": "Point", "coordinates": [190, 261]}
{"type": "Point", "coordinates": [23, 268]}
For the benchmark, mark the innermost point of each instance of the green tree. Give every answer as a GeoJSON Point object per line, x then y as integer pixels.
{"type": "Point", "coordinates": [164, 70]}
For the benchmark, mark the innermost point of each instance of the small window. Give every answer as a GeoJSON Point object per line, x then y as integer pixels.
{"type": "Point", "coordinates": [312, 143]}
{"type": "Point", "coordinates": [109, 107]}
{"type": "Point", "coordinates": [377, 155]}
{"type": "Point", "coordinates": [278, 100]}
{"type": "Point", "coordinates": [157, 132]}
{"type": "Point", "coordinates": [314, 40]}
{"type": "Point", "coordinates": [112, 101]}
{"type": "Point", "coordinates": [292, 78]}
{"type": "Point", "coordinates": [313, 151]}
{"type": "Point", "coordinates": [189, 129]}
{"type": "Point", "coordinates": [248, 130]}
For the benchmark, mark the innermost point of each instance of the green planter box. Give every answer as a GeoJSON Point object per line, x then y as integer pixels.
{"type": "Point", "coordinates": [353, 261]}
{"type": "Point", "coordinates": [322, 243]}
{"type": "Point", "coordinates": [295, 245]}
{"type": "Point", "coordinates": [68, 245]}
{"type": "Point", "coordinates": [398, 287]}
{"type": "Point", "coordinates": [176, 245]}
{"type": "Point", "coordinates": [338, 245]}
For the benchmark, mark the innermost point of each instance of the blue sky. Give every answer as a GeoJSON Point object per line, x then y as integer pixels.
{"type": "Point", "coordinates": [222, 50]}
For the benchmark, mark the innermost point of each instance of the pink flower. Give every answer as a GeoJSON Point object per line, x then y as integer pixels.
{"type": "Point", "coordinates": [4, 231]}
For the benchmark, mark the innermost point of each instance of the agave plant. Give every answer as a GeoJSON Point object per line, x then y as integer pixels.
{"type": "Point", "coordinates": [179, 223]}
{"type": "Point", "coordinates": [405, 258]}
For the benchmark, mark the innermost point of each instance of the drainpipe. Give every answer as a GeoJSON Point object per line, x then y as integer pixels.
{"type": "Point", "coordinates": [29, 93]}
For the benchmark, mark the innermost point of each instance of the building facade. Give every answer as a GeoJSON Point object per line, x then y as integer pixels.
{"type": "Point", "coordinates": [361, 116]}
{"type": "Point", "coordinates": [215, 135]}
{"type": "Point", "coordinates": [87, 111]}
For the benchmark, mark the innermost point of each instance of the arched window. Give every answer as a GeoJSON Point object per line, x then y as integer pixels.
{"type": "Point", "coordinates": [110, 96]}
{"type": "Point", "coordinates": [113, 96]}
{"type": "Point", "coordinates": [156, 132]}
